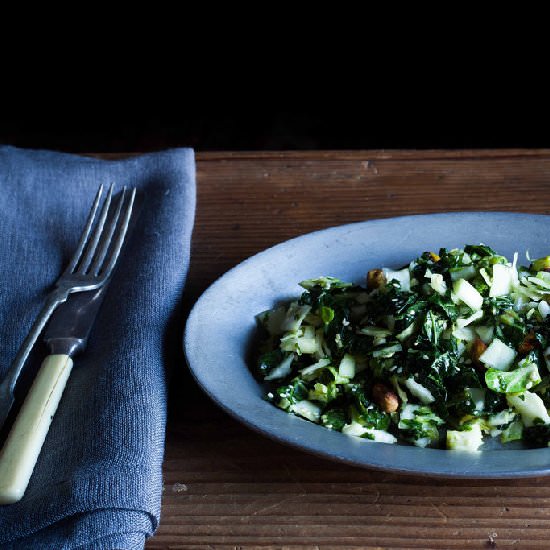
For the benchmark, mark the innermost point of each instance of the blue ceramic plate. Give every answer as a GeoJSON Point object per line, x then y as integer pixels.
{"type": "Point", "coordinates": [221, 328]}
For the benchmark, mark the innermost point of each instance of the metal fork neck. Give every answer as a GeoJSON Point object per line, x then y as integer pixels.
{"type": "Point", "coordinates": [57, 297]}
{"type": "Point", "coordinates": [66, 346]}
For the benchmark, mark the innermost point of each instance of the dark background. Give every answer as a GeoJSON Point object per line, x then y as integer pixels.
{"type": "Point", "coordinates": [205, 126]}
{"type": "Point", "coordinates": [398, 88]}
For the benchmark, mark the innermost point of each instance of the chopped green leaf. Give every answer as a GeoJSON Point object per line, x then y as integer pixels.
{"type": "Point", "coordinates": [515, 381]}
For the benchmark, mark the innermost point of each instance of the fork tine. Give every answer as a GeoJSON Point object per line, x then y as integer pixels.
{"type": "Point", "coordinates": [119, 237]}
{"type": "Point", "coordinates": [92, 243]}
{"type": "Point", "coordinates": [86, 233]}
{"type": "Point", "coordinates": [107, 236]}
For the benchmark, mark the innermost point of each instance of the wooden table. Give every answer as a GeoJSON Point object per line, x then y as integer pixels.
{"type": "Point", "coordinates": [228, 487]}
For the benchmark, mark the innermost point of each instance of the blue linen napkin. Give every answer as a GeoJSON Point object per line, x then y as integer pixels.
{"type": "Point", "coordinates": [98, 480]}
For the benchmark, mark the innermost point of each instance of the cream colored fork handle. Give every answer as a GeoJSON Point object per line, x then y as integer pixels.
{"type": "Point", "coordinates": [24, 442]}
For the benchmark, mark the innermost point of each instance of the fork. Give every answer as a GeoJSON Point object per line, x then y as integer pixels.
{"type": "Point", "coordinates": [89, 269]}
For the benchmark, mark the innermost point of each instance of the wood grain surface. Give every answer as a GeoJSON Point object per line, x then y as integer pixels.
{"type": "Point", "coordinates": [228, 487]}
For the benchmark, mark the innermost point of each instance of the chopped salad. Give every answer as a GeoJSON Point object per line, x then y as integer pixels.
{"type": "Point", "coordinates": [447, 352]}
